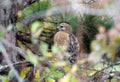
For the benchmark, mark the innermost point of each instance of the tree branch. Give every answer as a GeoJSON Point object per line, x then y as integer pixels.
{"type": "Point", "coordinates": [3, 50]}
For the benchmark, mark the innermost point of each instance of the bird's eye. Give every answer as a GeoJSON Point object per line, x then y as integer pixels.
{"type": "Point", "coordinates": [61, 26]}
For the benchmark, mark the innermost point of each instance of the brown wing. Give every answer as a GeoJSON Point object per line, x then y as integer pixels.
{"type": "Point", "coordinates": [73, 49]}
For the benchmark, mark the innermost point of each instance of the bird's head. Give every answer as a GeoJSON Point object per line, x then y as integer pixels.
{"type": "Point", "coordinates": [64, 27]}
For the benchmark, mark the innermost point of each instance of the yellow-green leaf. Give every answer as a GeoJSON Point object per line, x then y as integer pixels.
{"type": "Point", "coordinates": [37, 76]}
{"type": "Point", "coordinates": [1, 34]}
{"type": "Point", "coordinates": [35, 26]}
{"type": "Point", "coordinates": [54, 49]}
{"type": "Point", "coordinates": [44, 48]}
{"type": "Point", "coordinates": [24, 72]}
{"type": "Point", "coordinates": [32, 58]}
{"type": "Point", "coordinates": [49, 80]}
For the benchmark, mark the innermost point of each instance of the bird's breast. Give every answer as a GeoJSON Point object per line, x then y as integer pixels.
{"type": "Point", "coordinates": [62, 39]}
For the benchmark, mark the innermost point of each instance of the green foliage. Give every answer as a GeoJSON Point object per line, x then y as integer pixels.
{"type": "Point", "coordinates": [1, 34]}
{"type": "Point", "coordinates": [52, 74]}
{"type": "Point", "coordinates": [32, 58]}
{"type": "Point", "coordinates": [37, 77]}
{"type": "Point", "coordinates": [55, 75]}
{"type": "Point", "coordinates": [4, 78]}
{"type": "Point", "coordinates": [50, 65]}
{"type": "Point", "coordinates": [106, 21]}
{"type": "Point", "coordinates": [44, 49]}
{"type": "Point", "coordinates": [54, 49]}
{"type": "Point", "coordinates": [35, 26]}
{"type": "Point", "coordinates": [36, 30]}
{"type": "Point", "coordinates": [24, 72]}
{"type": "Point", "coordinates": [45, 4]}
{"type": "Point", "coordinates": [10, 76]}
{"type": "Point", "coordinates": [70, 18]}
{"type": "Point", "coordinates": [31, 9]}
{"type": "Point", "coordinates": [35, 7]}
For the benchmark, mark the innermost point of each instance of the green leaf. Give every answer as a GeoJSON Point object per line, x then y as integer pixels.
{"type": "Point", "coordinates": [57, 75]}
{"type": "Point", "coordinates": [20, 14]}
{"type": "Point", "coordinates": [37, 76]}
{"type": "Point", "coordinates": [24, 72]}
{"type": "Point", "coordinates": [11, 74]}
{"type": "Point", "coordinates": [45, 4]}
{"type": "Point", "coordinates": [31, 9]}
{"type": "Point", "coordinates": [3, 78]}
{"type": "Point", "coordinates": [99, 66]}
{"type": "Point", "coordinates": [1, 34]}
{"type": "Point", "coordinates": [34, 40]}
{"type": "Point", "coordinates": [44, 48]}
{"type": "Point", "coordinates": [54, 49]}
{"type": "Point", "coordinates": [10, 27]}
{"type": "Point", "coordinates": [49, 80]}
{"type": "Point", "coordinates": [47, 70]}
{"type": "Point", "coordinates": [35, 7]}
{"type": "Point", "coordinates": [32, 58]}
{"type": "Point", "coordinates": [53, 68]}
{"type": "Point", "coordinates": [35, 26]}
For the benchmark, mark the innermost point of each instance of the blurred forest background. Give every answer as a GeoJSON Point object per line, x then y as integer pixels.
{"type": "Point", "coordinates": [27, 50]}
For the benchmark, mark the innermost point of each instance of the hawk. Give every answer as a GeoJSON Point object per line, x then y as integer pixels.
{"type": "Point", "coordinates": [65, 37]}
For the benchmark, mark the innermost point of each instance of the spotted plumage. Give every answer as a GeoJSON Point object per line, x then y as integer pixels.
{"type": "Point", "coordinates": [65, 37]}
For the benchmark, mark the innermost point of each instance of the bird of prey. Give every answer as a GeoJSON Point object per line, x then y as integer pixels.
{"type": "Point", "coordinates": [65, 37]}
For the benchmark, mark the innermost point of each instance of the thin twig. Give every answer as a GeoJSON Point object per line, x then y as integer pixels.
{"type": "Point", "coordinates": [105, 69]}
{"type": "Point", "coordinates": [3, 50]}
{"type": "Point", "coordinates": [3, 67]}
